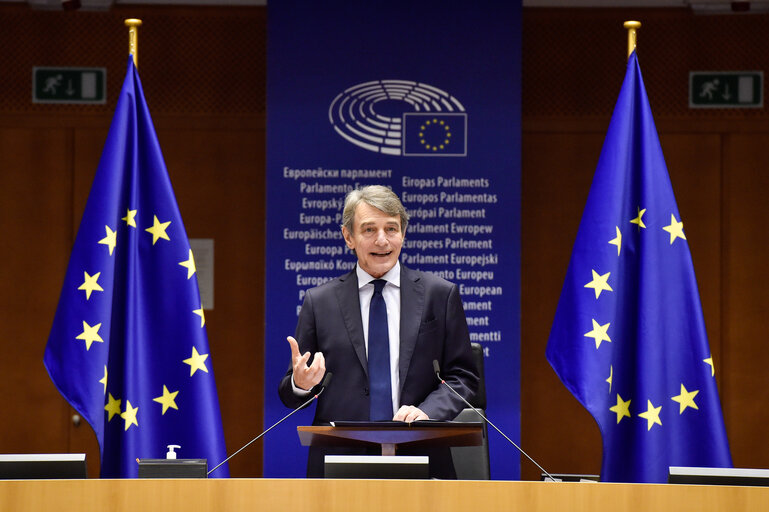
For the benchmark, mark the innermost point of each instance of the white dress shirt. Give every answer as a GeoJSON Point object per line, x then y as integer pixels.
{"type": "Point", "coordinates": [392, 297]}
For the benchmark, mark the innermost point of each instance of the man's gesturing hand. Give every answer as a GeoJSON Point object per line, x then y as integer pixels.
{"type": "Point", "coordinates": [306, 377]}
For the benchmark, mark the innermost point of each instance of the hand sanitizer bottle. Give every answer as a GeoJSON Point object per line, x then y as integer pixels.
{"type": "Point", "coordinates": [171, 453]}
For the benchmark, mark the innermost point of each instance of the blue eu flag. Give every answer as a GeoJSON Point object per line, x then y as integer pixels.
{"type": "Point", "coordinates": [628, 339]}
{"type": "Point", "coordinates": [128, 346]}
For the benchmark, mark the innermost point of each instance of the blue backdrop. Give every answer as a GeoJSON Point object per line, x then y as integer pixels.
{"type": "Point", "coordinates": [423, 97]}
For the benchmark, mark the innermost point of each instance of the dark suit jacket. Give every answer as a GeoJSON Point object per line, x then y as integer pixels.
{"type": "Point", "coordinates": [432, 326]}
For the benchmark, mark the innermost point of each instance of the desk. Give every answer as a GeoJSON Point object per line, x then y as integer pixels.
{"type": "Point", "coordinates": [254, 495]}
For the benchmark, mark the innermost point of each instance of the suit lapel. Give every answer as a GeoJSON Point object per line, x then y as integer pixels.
{"type": "Point", "coordinates": [349, 302]}
{"type": "Point", "coordinates": [412, 304]}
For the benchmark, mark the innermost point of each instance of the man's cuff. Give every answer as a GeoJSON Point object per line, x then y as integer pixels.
{"type": "Point", "coordinates": [297, 390]}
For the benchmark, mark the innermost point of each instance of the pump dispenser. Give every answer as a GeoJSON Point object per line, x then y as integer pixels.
{"type": "Point", "coordinates": [171, 453]}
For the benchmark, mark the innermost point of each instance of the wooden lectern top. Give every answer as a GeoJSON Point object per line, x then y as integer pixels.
{"type": "Point", "coordinates": [390, 434]}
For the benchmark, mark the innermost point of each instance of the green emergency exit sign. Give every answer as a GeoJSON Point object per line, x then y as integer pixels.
{"type": "Point", "coordinates": [726, 89]}
{"type": "Point", "coordinates": [69, 85]}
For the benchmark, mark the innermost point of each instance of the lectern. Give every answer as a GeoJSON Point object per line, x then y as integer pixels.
{"type": "Point", "coordinates": [390, 435]}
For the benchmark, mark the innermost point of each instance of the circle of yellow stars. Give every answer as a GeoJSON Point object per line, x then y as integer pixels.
{"type": "Point", "coordinates": [443, 134]}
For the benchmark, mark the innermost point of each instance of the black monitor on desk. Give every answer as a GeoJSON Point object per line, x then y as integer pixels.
{"type": "Point", "coordinates": [718, 476]}
{"type": "Point", "coordinates": [34, 466]}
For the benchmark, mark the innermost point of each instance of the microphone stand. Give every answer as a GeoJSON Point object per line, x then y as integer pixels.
{"type": "Point", "coordinates": [326, 380]}
{"type": "Point", "coordinates": [437, 370]}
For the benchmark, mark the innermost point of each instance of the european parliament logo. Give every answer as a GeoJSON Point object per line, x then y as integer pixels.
{"type": "Point", "coordinates": [427, 134]}
{"type": "Point", "coordinates": [400, 118]}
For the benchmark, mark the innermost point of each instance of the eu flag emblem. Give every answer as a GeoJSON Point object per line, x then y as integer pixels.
{"type": "Point", "coordinates": [628, 339]}
{"type": "Point", "coordinates": [434, 134]}
{"type": "Point", "coordinates": [128, 348]}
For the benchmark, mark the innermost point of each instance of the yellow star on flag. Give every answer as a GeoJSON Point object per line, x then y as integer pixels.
{"type": "Point", "coordinates": [90, 334]}
{"type": "Point", "coordinates": [651, 415]}
{"type": "Point", "coordinates": [110, 240]}
{"type": "Point", "coordinates": [112, 407]}
{"type": "Point", "coordinates": [617, 240]}
{"type": "Point", "coordinates": [103, 380]}
{"type": "Point", "coordinates": [685, 399]}
{"type": "Point", "coordinates": [158, 230]}
{"type": "Point", "coordinates": [90, 284]}
{"type": "Point", "coordinates": [611, 376]}
{"type": "Point", "coordinates": [622, 408]}
{"type": "Point", "coordinates": [676, 229]}
{"type": "Point", "coordinates": [709, 361]}
{"type": "Point", "coordinates": [196, 362]}
{"type": "Point", "coordinates": [599, 283]}
{"type": "Point", "coordinates": [130, 218]}
{"type": "Point", "coordinates": [129, 415]}
{"type": "Point", "coordinates": [599, 333]}
{"type": "Point", "coordinates": [167, 399]}
{"type": "Point", "coordinates": [201, 314]}
{"type": "Point", "coordinates": [190, 265]}
{"type": "Point", "coordinates": [639, 220]}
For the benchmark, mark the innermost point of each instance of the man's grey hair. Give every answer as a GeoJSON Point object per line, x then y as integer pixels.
{"type": "Point", "coordinates": [378, 196]}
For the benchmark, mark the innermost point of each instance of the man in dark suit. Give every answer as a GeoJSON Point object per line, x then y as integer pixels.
{"type": "Point", "coordinates": [378, 330]}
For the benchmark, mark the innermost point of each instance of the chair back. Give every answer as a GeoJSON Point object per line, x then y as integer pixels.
{"type": "Point", "coordinates": [472, 462]}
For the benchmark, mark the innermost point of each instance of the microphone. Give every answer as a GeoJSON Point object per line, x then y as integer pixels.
{"type": "Point", "coordinates": [323, 386]}
{"type": "Point", "coordinates": [437, 370]}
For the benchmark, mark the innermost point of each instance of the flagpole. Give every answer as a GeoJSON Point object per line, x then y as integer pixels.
{"type": "Point", "coordinates": [631, 27]}
{"type": "Point", "coordinates": [133, 25]}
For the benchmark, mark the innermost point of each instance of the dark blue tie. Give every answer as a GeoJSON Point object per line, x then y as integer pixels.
{"type": "Point", "coordinates": [379, 357]}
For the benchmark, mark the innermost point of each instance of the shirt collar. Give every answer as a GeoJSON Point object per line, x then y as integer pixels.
{"type": "Point", "coordinates": [393, 276]}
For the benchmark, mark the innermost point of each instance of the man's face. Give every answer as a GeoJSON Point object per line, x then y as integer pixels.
{"type": "Point", "coordinates": [376, 239]}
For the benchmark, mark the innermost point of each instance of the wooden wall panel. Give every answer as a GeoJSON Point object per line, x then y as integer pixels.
{"type": "Point", "coordinates": [694, 165]}
{"type": "Point", "coordinates": [35, 195]}
{"type": "Point", "coordinates": [193, 60]}
{"type": "Point", "coordinates": [218, 177]}
{"type": "Point", "coordinates": [744, 375]}
{"type": "Point", "coordinates": [573, 59]}
{"type": "Point", "coordinates": [556, 430]}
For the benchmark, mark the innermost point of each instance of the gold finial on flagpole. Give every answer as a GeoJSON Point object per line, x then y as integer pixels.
{"type": "Point", "coordinates": [631, 27]}
{"type": "Point", "coordinates": [133, 25]}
